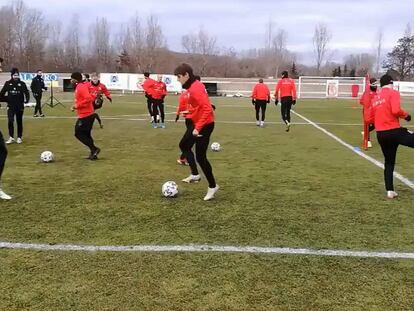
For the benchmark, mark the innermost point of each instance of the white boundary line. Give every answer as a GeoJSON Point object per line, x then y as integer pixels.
{"type": "Point", "coordinates": [206, 249]}
{"type": "Point", "coordinates": [403, 179]}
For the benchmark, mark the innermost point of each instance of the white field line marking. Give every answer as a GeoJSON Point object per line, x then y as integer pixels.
{"type": "Point", "coordinates": [207, 249]}
{"type": "Point", "coordinates": [125, 118]}
{"type": "Point", "coordinates": [403, 179]}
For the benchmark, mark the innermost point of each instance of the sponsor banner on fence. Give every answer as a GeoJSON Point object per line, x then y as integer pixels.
{"type": "Point", "coordinates": [133, 82]}
{"type": "Point", "coordinates": [404, 87]}
{"type": "Point", "coordinates": [332, 88]}
{"type": "Point", "coordinates": [49, 78]}
{"type": "Point", "coordinates": [115, 81]}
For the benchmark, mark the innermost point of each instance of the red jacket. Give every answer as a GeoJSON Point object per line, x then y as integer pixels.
{"type": "Point", "coordinates": [159, 90]}
{"type": "Point", "coordinates": [261, 92]}
{"type": "Point", "coordinates": [148, 86]}
{"type": "Point", "coordinates": [201, 111]}
{"type": "Point", "coordinates": [183, 104]}
{"type": "Point", "coordinates": [83, 100]}
{"type": "Point", "coordinates": [365, 101]}
{"type": "Point", "coordinates": [286, 87]}
{"type": "Point", "coordinates": [100, 88]}
{"type": "Point", "coordinates": [386, 110]}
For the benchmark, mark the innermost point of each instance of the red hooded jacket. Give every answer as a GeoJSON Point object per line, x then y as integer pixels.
{"type": "Point", "coordinates": [286, 87]}
{"type": "Point", "coordinates": [201, 111]}
{"type": "Point", "coordinates": [159, 90]}
{"type": "Point", "coordinates": [261, 92]}
{"type": "Point", "coordinates": [366, 101]}
{"type": "Point", "coordinates": [148, 86]}
{"type": "Point", "coordinates": [386, 110]}
{"type": "Point", "coordinates": [83, 100]}
{"type": "Point", "coordinates": [100, 88]}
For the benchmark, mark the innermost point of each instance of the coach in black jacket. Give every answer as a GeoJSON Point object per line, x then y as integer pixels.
{"type": "Point", "coordinates": [37, 87]}
{"type": "Point", "coordinates": [16, 94]}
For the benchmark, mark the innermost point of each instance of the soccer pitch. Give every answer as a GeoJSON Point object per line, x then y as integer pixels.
{"type": "Point", "coordinates": [299, 190]}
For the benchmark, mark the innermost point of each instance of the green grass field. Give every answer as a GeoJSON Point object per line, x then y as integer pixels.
{"type": "Point", "coordinates": [300, 189]}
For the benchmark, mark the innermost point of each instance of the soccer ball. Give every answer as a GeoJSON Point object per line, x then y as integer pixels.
{"type": "Point", "coordinates": [169, 189]}
{"type": "Point", "coordinates": [47, 157]}
{"type": "Point", "coordinates": [215, 146]}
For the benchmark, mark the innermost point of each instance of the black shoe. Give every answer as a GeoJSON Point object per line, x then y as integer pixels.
{"type": "Point", "coordinates": [94, 155]}
{"type": "Point", "coordinates": [42, 115]}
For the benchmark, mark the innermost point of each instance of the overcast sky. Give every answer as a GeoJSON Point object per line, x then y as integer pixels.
{"type": "Point", "coordinates": [241, 23]}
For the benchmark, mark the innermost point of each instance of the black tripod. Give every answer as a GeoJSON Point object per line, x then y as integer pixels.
{"type": "Point", "coordinates": [52, 101]}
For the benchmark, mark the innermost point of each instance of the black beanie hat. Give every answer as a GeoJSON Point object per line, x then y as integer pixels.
{"type": "Point", "coordinates": [285, 74]}
{"type": "Point", "coordinates": [385, 80]}
{"type": "Point", "coordinates": [76, 76]}
{"type": "Point", "coordinates": [14, 71]}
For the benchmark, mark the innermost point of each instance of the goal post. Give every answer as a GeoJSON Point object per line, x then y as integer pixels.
{"type": "Point", "coordinates": [330, 87]}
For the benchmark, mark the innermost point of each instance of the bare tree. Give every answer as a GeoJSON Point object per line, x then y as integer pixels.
{"type": "Point", "coordinates": [154, 40]}
{"type": "Point", "coordinates": [55, 51]}
{"type": "Point", "coordinates": [99, 38]}
{"type": "Point", "coordinates": [72, 46]}
{"type": "Point", "coordinates": [321, 39]}
{"type": "Point", "coordinates": [378, 50]}
{"type": "Point", "coordinates": [7, 35]}
{"type": "Point", "coordinates": [201, 44]}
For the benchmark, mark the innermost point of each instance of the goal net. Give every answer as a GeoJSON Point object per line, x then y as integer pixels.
{"type": "Point", "coordinates": [330, 87]}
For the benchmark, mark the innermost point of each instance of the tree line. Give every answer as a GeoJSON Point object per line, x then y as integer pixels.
{"type": "Point", "coordinates": [29, 41]}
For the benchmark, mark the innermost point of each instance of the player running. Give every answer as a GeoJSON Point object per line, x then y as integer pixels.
{"type": "Point", "coordinates": [199, 130]}
{"type": "Point", "coordinates": [386, 113]}
{"type": "Point", "coordinates": [286, 91]}
{"type": "Point", "coordinates": [365, 102]}
{"type": "Point", "coordinates": [97, 89]}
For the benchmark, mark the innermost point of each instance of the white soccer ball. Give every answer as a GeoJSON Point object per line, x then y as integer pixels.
{"type": "Point", "coordinates": [169, 189]}
{"type": "Point", "coordinates": [215, 146]}
{"type": "Point", "coordinates": [47, 156]}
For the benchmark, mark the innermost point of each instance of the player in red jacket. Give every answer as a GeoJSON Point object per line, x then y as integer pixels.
{"type": "Point", "coordinates": [86, 114]}
{"type": "Point", "coordinates": [365, 102]}
{"type": "Point", "coordinates": [97, 89]}
{"type": "Point", "coordinates": [200, 129]}
{"type": "Point", "coordinates": [286, 91]}
{"type": "Point", "coordinates": [386, 113]}
{"type": "Point", "coordinates": [159, 91]}
{"type": "Point", "coordinates": [148, 85]}
{"type": "Point", "coordinates": [260, 99]}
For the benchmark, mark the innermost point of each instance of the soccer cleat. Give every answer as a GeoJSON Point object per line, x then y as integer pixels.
{"type": "Point", "coordinates": [42, 115]}
{"type": "Point", "coordinates": [392, 194]}
{"type": "Point", "coordinates": [369, 144]}
{"type": "Point", "coordinates": [211, 192]}
{"type": "Point", "coordinates": [35, 115]}
{"type": "Point", "coordinates": [192, 179]}
{"type": "Point", "coordinates": [262, 124]}
{"type": "Point", "coordinates": [10, 140]}
{"type": "Point", "coordinates": [154, 125]}
{"type": "Point", "coordinates": [94, 155]}
{"type": "Point", "coordinates": [4, 196]}
{"type": "Point", "coordinates": [257, 123]}
{"type": "Point", "coordinates": [162, 125]}
{"type": "Point", "coordinates": [287, 126]}
{"type": "Point", "coordinates": [19, 140]}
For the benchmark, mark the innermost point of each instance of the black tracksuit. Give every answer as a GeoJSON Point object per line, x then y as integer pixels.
{"type": "Point", "coordinates": [16, 94]}
{"type": "Point", "coordinates": [37, 87]}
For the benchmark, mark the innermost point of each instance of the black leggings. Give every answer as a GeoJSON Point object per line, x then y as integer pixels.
{"type": "Point", "coordinates": [389, 142]}
{"type": "Point", "coordinates": [260, 105]}
{"type": "Point", "coordinates": [11, 113]}
{"type": "Point", "coordinates": [3, 154]}
{"type": "Point", "coordinates": [83, 129]}
{"type": "Point", "coordinates": [98, 118]}
{"type": "Point", "coordinates": [201, 146]}
{"type": "Point", "coordinates": [158, 105]}
{"type": "Point", "coordinates": [38, 107]}
{"type": "Point", "coordinates": [149, 104]}
{"type": "Point", "coordinates": [286, 102]}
